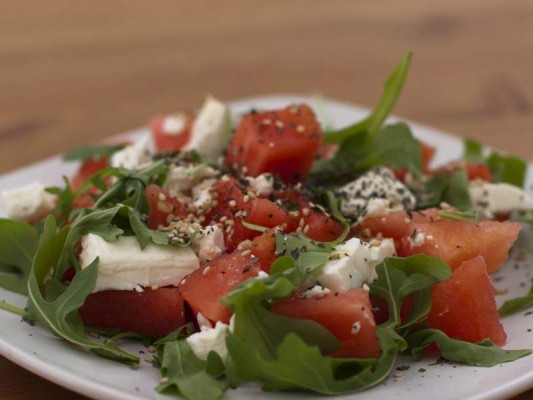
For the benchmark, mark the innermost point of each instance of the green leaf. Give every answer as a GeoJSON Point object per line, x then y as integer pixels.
{"type": "Point", "coordinates": [144, 234]}
{"type": "Point", "coordinates": [440, 188]}
{"type": "Point", "coordinates": [18, 244]}
{"type": "Point", "coordinates": [65, 201]}
{"type": "Point", "coordinates": [483, 354]}
{"type": "Point", "coordinates": [473, 151]}
{"type": "Point", "coordinates": [507, 169]}
{"type": "Point", "coordinates": [517, 304]}
{"type": "Point", "coordinates": [12, 308]}
{"type": "Point", "coordinates": [184, 374]}
{"type": "Point", "coordinates": [372, 123]}
{"type": "Point", "coordinates": [85, 153]}
{"type": "Point", "coordinates": [59, 310]}
{"type": "Point", "coordinates": [393, 146]}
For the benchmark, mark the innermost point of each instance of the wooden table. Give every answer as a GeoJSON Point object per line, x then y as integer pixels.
{"type": "Point", "coordinates": [69, 74]}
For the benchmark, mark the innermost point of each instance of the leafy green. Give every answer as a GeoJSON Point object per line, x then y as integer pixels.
{"type": "Point", "coordinates": [12, 308]}
{"type": "Point", "coordinates": [517, 304]}
{"type": "Point", "coordinates": [440, 188]}
{"type": "Point", "coordinates": [373, 122]}
{"type": "Point", "coordinates": [18, 244]}
{"type": "Point", "coordinates": [473, 151]}
{"type": "Point", "coordinates": [58, 311]}
{"type": "Point", "coordinates": [394, 146]}
{"type": "Point", "coordinates": [507, 169]}
{"type": "Point", "coordinates": [483, 354]}
{"type": "Point", "coordinates": [85, 153]}
{"type": "Point", "coordinates": [286, 359]}
{"type": "Point", "coordinates": [183, 373]}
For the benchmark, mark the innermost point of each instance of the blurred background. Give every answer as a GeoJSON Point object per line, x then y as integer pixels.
{"type": "Point", "coordinates": [77, 72]}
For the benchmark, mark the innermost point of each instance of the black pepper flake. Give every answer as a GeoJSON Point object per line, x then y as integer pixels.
{"type": "Point", "coordinates": [403, 368]}
{"type": "Point", "coordinates": [421, 370]}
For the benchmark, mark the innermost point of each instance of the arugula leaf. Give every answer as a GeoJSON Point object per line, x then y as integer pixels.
{"type": "Point", "coordinates": [483, 354]}
{"type": "Point", "coordinates": [473, 151]}
{"type": "Point", "coordinates": [373, 122]}
{"type": "Point", "coordinates": [394, 146]}
{"type": "Point", "coordinates": [295, 364]}
{"type": "Point", "coordinates": [85, 152]}
{"type": "Point", "coordinates": [442, 188]}
{"type": "Point", "coordinates": [183, 373]}
{"type": "Point", "coordinates": [507, 169]}
{"type": "Point", "coordinates": [517, 304]}
{"type": "Point", "coordinates": [144, 234]}
{"type": "Point", "coordinates": [18, 244]}
{"type": "Point", "coordinates": [58, 311]}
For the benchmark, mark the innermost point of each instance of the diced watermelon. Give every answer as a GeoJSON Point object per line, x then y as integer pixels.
{"type": "Point", "coordinates": [451, 241]}
{"type": "Point", "coordinates": [162, 207]}
{"type": "Point", "coordinates": [347, 315]}
{"type": "Point", "coordinates": [152, 312]}
{"type": "Point", "coordinates": [206, 287]}
{"type": "Point", "coordinates": [284, 142]}
{"type": "Point", "coordinates": [463, 306]}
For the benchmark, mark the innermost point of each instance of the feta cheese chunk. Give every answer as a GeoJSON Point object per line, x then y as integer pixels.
{"type": "Point", "coordinates": [133, 156]}
{"type": "Point", "coordinates": [497, 198]}
{"type": "Point", "coordinates": [28, 203]}
{"type": "Point", "coordinates": [123, 265]}
{"type": "Point", "coordinates": [262, 185]}
{"type": "Point", "coordinates": [182, 178]}
{"type": "Point", "coordinates": [353, 263]}
{"type": "Point", "coordinates": [202, 195]}
{"type": "Point", "coordinates": [209, 339]}
{"type": "Point", "coordinates": [209, 243]}
{"type": "Point", "coordinates": [210, 129]}
{"type": "Point", "coordinates": [378, 183]}
{"type": "Point", "coordinates": [316, 291]}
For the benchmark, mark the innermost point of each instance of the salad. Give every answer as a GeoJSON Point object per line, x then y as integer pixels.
{"type": "Point", "coordinates": [271, 248]}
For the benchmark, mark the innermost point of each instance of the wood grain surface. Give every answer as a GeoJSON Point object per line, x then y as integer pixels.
{"type": "Point", "coordinates": [73, 73]}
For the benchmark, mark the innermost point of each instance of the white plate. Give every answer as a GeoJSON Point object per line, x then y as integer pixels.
{"type": "Point", "coordinates": [35, 349]}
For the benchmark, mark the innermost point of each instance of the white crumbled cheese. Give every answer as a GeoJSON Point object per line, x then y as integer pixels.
{"type": "Point", "coordinates": [378, 183]}
{"type": "Point", "coordinates": [202, 195]}
{"type": "Point", "coordinates": [417, 239]}
{"type": "Point", "coordinates": [262, 185]}
{"type": "Point", "coordinates": [182, 178]}
{"type": "Point", "coordinates": [134, 155]}
{"type": "Point", "coordinates": [210, 129]}
{"type": "Point", "coordinates": [124, 266]}
{"type": "Point", "coordinates": [353, 263]}
{"type": "Point", "coordinates": [203, 321]}
{"type": "Point", "coordinates": [262, 274]}
{"type": "Point", "coordinates": [28, 203]}
{"type": "Point", "coordinates": [174, 124]}
{"type": "Point", "coordinates": [209, 243]}
{"type": "Point", "coordinates": [490, 199]}
{"type": "Point", "coordinates": [209, 339]}
{"type": "Point", "coordinates": [316, 291]}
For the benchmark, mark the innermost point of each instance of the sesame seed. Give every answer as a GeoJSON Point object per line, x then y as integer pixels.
{"type": "Point", "coordinates": [151, 349]}
{"type": "Point", "coordinates": [279, 124]}
{"type": "Point", "coordinates": [300, 129]}
{"type": "Point", "coordinates": [266, 121]}
{"type": "Point", "coordinates": [375, 243]}
{"type": "Point", "coordinates": [163, 380]}
{"type": "Point", "coordinates": [223, 218]}
{"type": "Point", "coordinates": [162, 196]}
{"type": "Point", "coordinates": [94, 335]}
{"type": "Point", "coordinates": [294, 214]}
{"type": "Point", "coordinates": [305, 211]}
{"type": "Point", "coordinates": [229, 229]}
{"type": "Point", "coordinates": [246, 198]}
{"type": "Point", "coordinates": [154, 287]}
{"type": "Point", "coordinates": [306, 229]}
{"type": "Point", "coordinates": [206, 270]}
{"type": "Point", "coordinates": [301, 223]}
{"type": "Point", "coordinates": [246, 252]}
{"type": "Point", "coordinates": [232, 203]}
{"type": "Point", "coordinates": [366, 288]}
